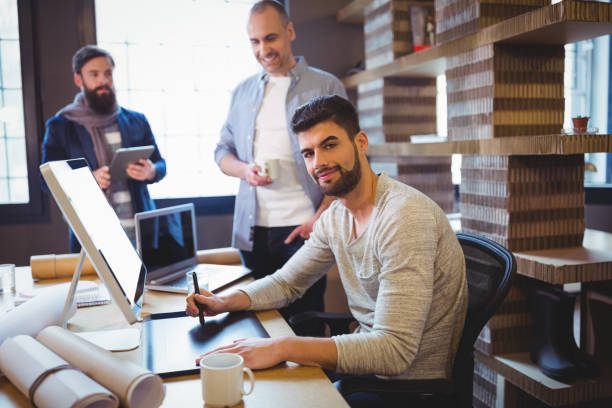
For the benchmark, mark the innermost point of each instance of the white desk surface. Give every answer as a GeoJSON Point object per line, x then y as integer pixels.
{"type": "Point", "coordinates": [287, 385]}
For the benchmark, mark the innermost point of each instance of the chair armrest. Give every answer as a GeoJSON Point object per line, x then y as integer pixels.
{"type": "Point", "coordinates": [353, 384]}
{"type": "Point", "coordinates": [338, 322]}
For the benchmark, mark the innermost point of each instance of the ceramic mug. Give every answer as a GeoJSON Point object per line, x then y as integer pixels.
{"type": "Point", "coordinates": [222, 376]}
{"type": "Point", "coordinates": [269, 168]}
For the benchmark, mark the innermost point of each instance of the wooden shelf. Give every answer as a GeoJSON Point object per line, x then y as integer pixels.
{"type": "Point", "coordinates": [515, 145]}
{"type": "Point", "coordinates": [559, 24]}
{"type": "Point", "coordinates": [518, 369]}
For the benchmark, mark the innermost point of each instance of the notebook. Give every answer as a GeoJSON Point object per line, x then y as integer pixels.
{"type": "Point", "coordinates": [166, 241]}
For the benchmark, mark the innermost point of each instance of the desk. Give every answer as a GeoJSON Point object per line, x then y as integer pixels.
{"type": "Point", "coordinates": [282, 386]}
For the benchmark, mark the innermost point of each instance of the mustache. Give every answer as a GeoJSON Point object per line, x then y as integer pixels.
{"type": "Point", "coordinates": [108, 88]}
{"type": "Point", "coordinates": [325, 169]}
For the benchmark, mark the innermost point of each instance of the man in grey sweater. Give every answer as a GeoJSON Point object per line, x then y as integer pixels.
{"type": "Point", "coordinates": [400, 263]}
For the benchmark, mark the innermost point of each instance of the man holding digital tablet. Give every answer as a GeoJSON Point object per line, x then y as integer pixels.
{"type": "Point", "coordinates": [400, 263]}
{"type": "Point", "coordinates": [93, 126]}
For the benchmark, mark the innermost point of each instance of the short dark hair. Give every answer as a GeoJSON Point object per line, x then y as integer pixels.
{"type": "Point", "coordinates": [262, 5]}
{"type": "Point", "coordinates": [323, 108]}
{"type": "Point", "coordinates": [87, 53]}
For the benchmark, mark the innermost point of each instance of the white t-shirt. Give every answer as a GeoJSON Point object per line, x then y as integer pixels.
{"type": "Point", "coordinates": [283, 202]}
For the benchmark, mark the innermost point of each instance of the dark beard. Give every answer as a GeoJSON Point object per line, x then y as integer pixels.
{"type": "Point", "coordinates": [348, 179]}
{"type": "Point", "coordinates": [102, 104]}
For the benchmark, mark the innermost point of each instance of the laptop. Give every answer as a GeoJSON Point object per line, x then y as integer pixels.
{"type": "Point", "coordinates": [166, 241]}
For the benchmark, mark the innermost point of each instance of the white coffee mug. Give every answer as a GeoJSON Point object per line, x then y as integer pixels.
{"type": "Point", "coordinates": [223, 379]}
{"type": "Point", "coordinates": [269, 168]}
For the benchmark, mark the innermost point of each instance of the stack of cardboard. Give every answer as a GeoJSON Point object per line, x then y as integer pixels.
{"type": "Point", "coordinates": [458, 18]}
{"type": "Point", "coordinates": [387, 31]}
{"type": "Point", "coordinates": [394, 108]}
{"type": "Point", "coordinates": [524, 202]}
{"type": "Point", "coordinates": [431, 175]}
{"type": "Point", "coordinates": [510, 329]}
{"type": "Point", "coordinates": [485, 386]}
{"type": "Point", "coordinates": [505, 90]}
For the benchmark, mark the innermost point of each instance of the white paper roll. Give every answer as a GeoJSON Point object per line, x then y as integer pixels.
{"type": "Point", "coordinates": [45, 309]}
{"type": "Point", "coordinates": [23, 360]}
{"type": "Point", "coordinates": [135, 386]}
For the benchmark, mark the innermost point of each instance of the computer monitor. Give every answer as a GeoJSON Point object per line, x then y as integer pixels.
{"type": "Point", "coordinates": [99, 231]}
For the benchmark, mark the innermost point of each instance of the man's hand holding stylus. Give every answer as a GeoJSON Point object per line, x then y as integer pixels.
{"type": "Point", "coordinates": [212, 305]}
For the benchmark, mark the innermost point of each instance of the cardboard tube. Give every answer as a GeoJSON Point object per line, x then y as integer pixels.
{"type": "Point", "coordinates": [54, 266]}
{"type": "Point", "coordinates": [219, 256]}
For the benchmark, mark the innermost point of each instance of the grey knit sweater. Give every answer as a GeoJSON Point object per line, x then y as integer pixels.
{"type": "Point", "coordinates": [404, 277]}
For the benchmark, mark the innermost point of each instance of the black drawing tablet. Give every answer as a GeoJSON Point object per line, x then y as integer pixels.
{"type": "Point", "coordinates": [172, 341]}
{"type": "Point", "coordinates": [124, 156]}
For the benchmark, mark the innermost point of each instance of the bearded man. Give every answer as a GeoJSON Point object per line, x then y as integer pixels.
{"type": "Point", "coordinates": [401, 265]}
{"type": "Point", "coordinates": [93, 126]}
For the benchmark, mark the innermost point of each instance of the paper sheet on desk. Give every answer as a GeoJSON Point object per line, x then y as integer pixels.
{"type": "Point", "coordinates": [135, 386]}
{"type": "Point", "coordinates": [45, 309]}
{"type": "Point", "coordinates": [23, 359]}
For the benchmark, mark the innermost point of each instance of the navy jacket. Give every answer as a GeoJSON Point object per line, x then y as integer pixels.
{"type": "Point", "coordinates": [65, 140]}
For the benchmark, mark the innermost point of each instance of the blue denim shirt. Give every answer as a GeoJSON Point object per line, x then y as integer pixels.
{"type": "Point", "coordinates": [238, 133]}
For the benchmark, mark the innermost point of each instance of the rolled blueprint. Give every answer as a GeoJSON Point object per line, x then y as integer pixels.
{"type": "Point", "coordinates": [135, 386]}
{"type": "Point", "coordinates": [23, 360]}
{"type": "Point", "coordinates": [44, 309]}
{"type": "Point", "coordinates": [54, 266]}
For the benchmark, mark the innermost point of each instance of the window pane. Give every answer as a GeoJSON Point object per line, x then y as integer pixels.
{"type": "Point", "coordinates": [4, 195]}
{"type": "Point", "coordinates": [18, 189]}
{"type": "Point", "coordinates": [11, 73]}
{"type": "Point", "coordinates": [180, 75]}
{"type": "Point", "coordinates": [16, 149]}
{"type": "Point", "coordinates": [3, 158]}
{"type": "Point", "coordinates": [8, 20]}
{"type": "Point", "coordinates": [13, 159]}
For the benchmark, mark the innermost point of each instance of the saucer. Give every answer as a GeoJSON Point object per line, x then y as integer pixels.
{"type": "Point", "coordinates": [570, 131]}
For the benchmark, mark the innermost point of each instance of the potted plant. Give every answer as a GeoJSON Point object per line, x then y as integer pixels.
{"type": "Point", "coordinates": [580, 123]}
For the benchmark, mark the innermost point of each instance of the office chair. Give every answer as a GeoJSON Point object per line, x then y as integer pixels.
{"type": "Point", "coordinates": [490, 270]}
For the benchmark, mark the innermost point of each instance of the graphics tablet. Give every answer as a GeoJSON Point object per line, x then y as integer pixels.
{"type": "Point", "coordinates": [125, 156]}
{"type": "Point", "coordinates": [172, 341]}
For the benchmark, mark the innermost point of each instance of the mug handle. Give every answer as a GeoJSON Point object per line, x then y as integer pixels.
{"type": "Point", "coordinates": [251, 381]}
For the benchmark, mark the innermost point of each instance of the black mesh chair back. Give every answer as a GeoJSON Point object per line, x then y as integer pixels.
{"type": "Point", "coordinates": [490, 270]}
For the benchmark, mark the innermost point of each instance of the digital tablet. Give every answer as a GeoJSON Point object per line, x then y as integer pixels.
{"type": "Point", "coordinates": [125, 156]}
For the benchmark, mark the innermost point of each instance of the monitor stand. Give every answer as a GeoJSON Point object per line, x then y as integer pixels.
{"type": "Point", "coordinates": [112, 340]}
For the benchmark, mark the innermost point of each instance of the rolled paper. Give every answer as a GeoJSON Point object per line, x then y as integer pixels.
{"type": "Point", "coordinates": [136, 386]}
{"type": "Point", "coordinates": [54, 266]}
{"type": "Point", "coordinates": [44, 309]}
{"type": "Point", "coordinates": [24, 361]}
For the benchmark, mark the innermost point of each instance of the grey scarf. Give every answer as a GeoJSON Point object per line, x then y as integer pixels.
{"type": "Point", "coordinates": [94, 123]}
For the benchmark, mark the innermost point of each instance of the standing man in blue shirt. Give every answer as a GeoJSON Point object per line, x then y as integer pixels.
{"type": "Point", "coordinates": [94, 126]}
{"type": "Point", "coordinates": [272, 218]}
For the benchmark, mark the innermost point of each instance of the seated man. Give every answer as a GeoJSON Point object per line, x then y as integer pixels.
{"type": "Point", "coordinates": [401, 265]}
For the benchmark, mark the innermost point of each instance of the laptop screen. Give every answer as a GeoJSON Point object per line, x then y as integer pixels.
{"type": "Point", "coordinates": [166, 239]}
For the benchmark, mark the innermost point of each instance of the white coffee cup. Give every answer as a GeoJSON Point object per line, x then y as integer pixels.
{"type": "Point", "coordinates": [223, 379]}
{"type": "Point", "coordinates": [269, 168]}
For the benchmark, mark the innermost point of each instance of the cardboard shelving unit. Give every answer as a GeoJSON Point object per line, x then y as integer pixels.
{"type": "Point", "coordinates": [558, 24]}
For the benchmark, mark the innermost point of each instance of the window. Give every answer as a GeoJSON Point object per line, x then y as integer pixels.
{"type": "Point", "coordinates": [177, 62]}
{"type": "Point", "coordinates": [21, 198]}
{"type": "Point", "coordinates": [13, 162]}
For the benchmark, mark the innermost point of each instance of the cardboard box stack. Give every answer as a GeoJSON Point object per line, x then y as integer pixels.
{"type": "Point", "coordinates": [458, 18]}
{"type": "Point", "coordinates": [387, 31]}
{"type": "Point", "coordinates": [524, 202]}
{"type": "Point", "coordinates": [429, 174]}
{"type": "Point", "coordinates": [394, 108]}
{"type": "Point", "coordinates": [505, 90]}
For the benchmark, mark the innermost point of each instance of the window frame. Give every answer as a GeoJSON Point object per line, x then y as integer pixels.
{"type": "Point", "coordinates": [37, 209]}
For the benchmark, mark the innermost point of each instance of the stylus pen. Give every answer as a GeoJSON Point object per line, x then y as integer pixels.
{"type": "Point", "coordinates": [196, 289]}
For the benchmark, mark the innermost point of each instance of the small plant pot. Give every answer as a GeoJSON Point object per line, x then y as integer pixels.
{"type": "Point", "coordinates": [580, 124]}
